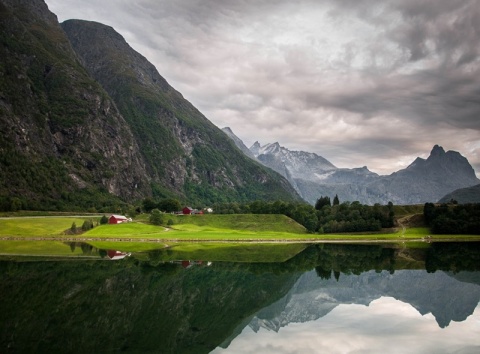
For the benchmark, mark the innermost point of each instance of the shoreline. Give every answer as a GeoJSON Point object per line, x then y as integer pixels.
{"type": "Point", "coordinates": [430, 239]}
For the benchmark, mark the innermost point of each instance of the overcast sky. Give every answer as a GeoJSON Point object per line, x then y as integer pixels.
{"type": "Point", "coordinates": [359, 82]}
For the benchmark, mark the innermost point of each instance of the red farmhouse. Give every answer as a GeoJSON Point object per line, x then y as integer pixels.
{"type": "Point", "coordinates": [117, 219]}
{"type": "Point", "coordinates": [187, 211]}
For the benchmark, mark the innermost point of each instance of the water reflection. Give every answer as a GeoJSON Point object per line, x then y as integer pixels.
{"type": "Point", "coordinates": [151, 301]}
{"type": "Point", "coordinates": [387, 325]}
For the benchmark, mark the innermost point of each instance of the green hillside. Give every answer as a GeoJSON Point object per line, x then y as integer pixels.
{"type": "Point", "coordinates": [185, 154]}
{"type": "Point", "coordinates": [73, 138]}
{"type": "Point", "coordinates": [245, 222]}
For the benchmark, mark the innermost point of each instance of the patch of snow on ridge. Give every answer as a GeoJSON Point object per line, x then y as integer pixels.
{"type": "Point", "coordinates": [324, 176]}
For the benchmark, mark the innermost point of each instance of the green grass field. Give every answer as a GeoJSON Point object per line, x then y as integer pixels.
{"type": "Point", "coordinates": [38, 226]}
{"type": "Point", "coordinates": [209, 227]}
{"type": "Point", "coordinates": [197, 228]}
{"type": "Point", "coordinates": [239, 222]}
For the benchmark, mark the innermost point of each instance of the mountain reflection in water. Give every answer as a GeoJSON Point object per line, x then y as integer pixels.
{"type": "Point", "coordinates": [327, 298]}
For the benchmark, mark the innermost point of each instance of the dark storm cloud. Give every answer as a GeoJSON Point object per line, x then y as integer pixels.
{"type": "Point", "coordinates": [321, 76]}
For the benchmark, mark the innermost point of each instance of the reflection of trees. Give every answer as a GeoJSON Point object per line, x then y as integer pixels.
{"type": "Point", "coordinates": [353, 259]}
{"type": "Point", "coordinates": [454, 257]}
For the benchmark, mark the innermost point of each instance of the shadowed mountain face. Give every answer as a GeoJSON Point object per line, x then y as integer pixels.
{"type": "Point", "coordinates": [463, 195]}
{"type": "Point", "coordinates": [60, 132]}
{"type": "Point", "coordinates": [85, 118]}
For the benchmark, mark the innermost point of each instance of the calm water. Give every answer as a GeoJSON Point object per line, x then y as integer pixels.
{"type": "Point", "coordinates": [322, 299]}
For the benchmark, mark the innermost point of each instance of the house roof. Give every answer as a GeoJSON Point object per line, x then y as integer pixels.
{"type": "Point", "coordinates": [119, 216]}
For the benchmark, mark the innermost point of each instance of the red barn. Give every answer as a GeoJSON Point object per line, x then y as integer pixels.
{"type": "Point", "coordinates": [117, 219]}
{"type": "Point", "coordinates": [187, 211]}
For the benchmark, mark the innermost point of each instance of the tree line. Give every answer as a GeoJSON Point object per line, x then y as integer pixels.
{"type": "Point", "coordinates": [324, 217]}
{"type": "Point", "coordinates": [453, 218]}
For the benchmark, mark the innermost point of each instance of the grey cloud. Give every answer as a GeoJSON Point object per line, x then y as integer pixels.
{"type": "Point", "coordinates": [276, 67]}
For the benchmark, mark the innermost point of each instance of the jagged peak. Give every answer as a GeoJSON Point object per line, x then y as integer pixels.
{"type": "Point", "coordinates": [256, 144]}
{"type": "Point", "coordinates": [437, 151]}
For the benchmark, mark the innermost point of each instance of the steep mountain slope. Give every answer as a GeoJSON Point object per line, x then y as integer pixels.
{"type": "Point", "coordinates": [239, 143]}
{"type": "Point", "coordinates": [463, 195]}
{"type": "Point", "coordinates": [295, 166]}
{"type": "Point", "coordinates": [62, 139]}
{"type": "Point", "coordinates": [66, 144]}
{"type": "Point", "coordinates": [183, 151]}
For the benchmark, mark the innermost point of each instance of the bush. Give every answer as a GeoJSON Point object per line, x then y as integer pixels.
{"type": "Point", "coordinates": [156, 218]}
{"type": "Point", "coordinates": [87, 225]}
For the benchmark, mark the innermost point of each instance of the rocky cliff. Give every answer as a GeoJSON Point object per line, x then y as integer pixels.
{"type": "Point", "coordinates": [98, 125]}
{"type": "Point", "coordinates": [184, 153]}
{"type": "Point", "coordinates": [61, 133]}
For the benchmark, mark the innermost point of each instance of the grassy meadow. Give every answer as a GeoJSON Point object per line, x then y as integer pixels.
{"type": "Point", "coordinates": [38, 226]}
{"type": "Point", "coordinates": [196, 228]}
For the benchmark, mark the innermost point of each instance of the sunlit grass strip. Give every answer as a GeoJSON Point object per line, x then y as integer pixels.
{"type": "Point", "coordinates": [132, 229]}
{"type": "Point", "coordinates": [38, 226]}
{"type": "Point", "coordinates": [245, 222]}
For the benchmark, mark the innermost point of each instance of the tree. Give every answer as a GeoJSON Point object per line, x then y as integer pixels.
{"type": "Point", "coordinates": [149, 204]}
{"type": "Point", "coordinates": [156, 218]}
{"type": "Point", "coordinates": [169, 205]}
{"type": "Point", "coordinates": [336, 201]}
{"type": "Point", "coordinates": [321, 202]}
{"type": "Point", "coordinates": [87, 225]}
{"type": "Point", "coordinates": [16, 204]}
{"type": "Point", "coordinates": [73, 228]}
{"type": "Point", "coordinates": [103, 220]}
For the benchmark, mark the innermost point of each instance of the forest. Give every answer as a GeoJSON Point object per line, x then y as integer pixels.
{"type": "Point", "coordinates": [453, 218]}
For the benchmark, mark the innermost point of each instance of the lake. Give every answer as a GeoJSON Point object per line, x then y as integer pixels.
{"type": "Point", "coordinates": [320, 298]}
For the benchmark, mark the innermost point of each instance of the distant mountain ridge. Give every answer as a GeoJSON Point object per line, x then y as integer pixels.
{"type": "Point", "coordinates": [312, 176]}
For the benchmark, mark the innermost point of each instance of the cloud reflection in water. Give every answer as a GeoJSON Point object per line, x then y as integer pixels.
{"type": "Point", "coordinates": [387, 325]}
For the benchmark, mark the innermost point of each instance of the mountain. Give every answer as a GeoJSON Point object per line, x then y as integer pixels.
{"type": "Point", "coordinates": [62, 138]}
{"type": "Point", "coordinates": [424, 180]}
{"type": "Point", "coordinates": [87, 121]}
{"type": "Point", "coordinates": [239, 143]}
{"type": "Point", "coordinates": [463, 195]}
{"type": "Point", "coordinates": [183, 151]}
{"type": "Point", "coordinates": [428, 180]}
